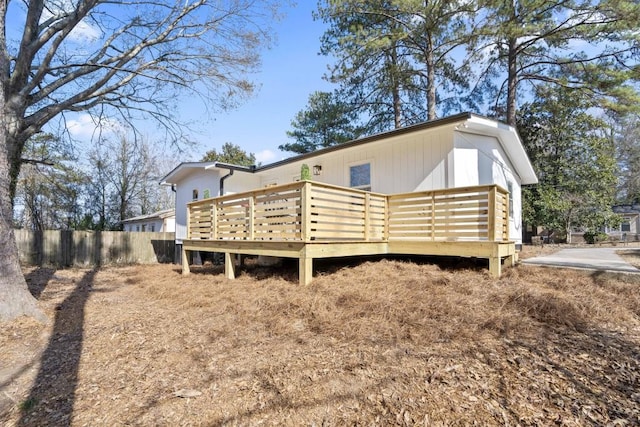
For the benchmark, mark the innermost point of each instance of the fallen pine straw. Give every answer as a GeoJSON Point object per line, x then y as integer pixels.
{"type": "Point", "coordinates": [385, 342]}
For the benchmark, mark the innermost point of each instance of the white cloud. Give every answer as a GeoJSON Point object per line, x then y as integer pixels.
{"type": "Point", "coordinates": [85, 127]}
{"type": "Point", "coordinates": [265, 156]}
{"type": "Point", "coordinates": [83, 32]}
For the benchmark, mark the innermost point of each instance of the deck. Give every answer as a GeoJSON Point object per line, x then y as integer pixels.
{"type": "Point", "coordinates": [308, 220]}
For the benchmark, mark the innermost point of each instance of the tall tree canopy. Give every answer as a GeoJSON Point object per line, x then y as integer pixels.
{"type": "Point", "coordinates": [627, 136]}
{"type": "Point", "coordinates": [326, 121]}
{"type": "Point", "coordinates": [395, 57]}
{"type": "Point", "coordinates": [574, 157]}
{"type": "Point", "coordinates": [230, 153]}
{"type": "Point", "coordinates": [581, 44]}
{"type": "Point", "coordinates": [117, 57]}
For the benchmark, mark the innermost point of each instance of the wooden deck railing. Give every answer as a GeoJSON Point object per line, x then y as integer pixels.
{"type": "Point", "coordinates": [311, 211]}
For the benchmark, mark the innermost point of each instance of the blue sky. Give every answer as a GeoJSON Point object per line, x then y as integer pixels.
{"type": "Point", "coordinates": [290, 72]}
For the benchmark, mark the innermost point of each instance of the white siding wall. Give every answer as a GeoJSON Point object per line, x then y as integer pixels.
{"type": "Point", "coordinates": [483, 155]}
{"type": "Point", "coordinates": [405, 163]}
{"type": "Point", "coordinates": [200, 180]}
{"type": "Point", "coordinates": [169, 225]}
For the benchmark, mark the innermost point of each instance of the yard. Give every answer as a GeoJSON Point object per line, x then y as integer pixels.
{"type": "Point", "coordinates": [373, 342]}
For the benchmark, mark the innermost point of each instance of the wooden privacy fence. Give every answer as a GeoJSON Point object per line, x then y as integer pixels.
{"type": "Point", "coordinates": [310, 211]}
{"type": "Point", "coordinates": [63, 248]}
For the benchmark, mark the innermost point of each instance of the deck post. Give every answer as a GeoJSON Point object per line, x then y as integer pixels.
{"type": "Point", "coordinates": [367, 218]}
{"type": "Point", "coordinates": [495, 261]}
{"type": "Point", "coordinates": [305, 215]}
{"type": "Point", "coordinates": [229, 266]}
{"type": "Point", "coordinates": [491, 223]}
{"type": "Point", "coordinates": [214, 220]}
{"type": "Point", "coordinates": [306, 270]}
{"type": "Point", "coordinates": [252, 217]}
{"type": "Point", "coordinates": [185, 261]}
{"type": "Point", "coordinates": [495, 266]}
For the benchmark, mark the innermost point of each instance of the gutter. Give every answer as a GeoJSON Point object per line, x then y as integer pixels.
{"type": "Point", "coordinates": [231, 168]}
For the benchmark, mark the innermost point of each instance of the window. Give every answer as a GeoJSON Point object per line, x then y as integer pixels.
{"type": "Point", "coordinates": [206, 193]}
{"type": "Point", "coordinates": [137, 228]}
{"type": "Point", "coordinates": [625, 226]}
{"type": "Point", "coordinates": [153, 228]}
{"type": "Point", "coordinates": [144, 227]}
{"type": "Point", "coordinates": [194, 194]}
{"type": "Point", "coordinates": [360, 176]}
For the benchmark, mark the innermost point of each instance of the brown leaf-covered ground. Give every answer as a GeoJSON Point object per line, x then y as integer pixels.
{"type": "Point", "coordinates": [369, 342]}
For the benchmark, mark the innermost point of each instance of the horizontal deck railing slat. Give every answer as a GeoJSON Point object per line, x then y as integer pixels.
{"type": "Point", "coordinates": [309, 211]}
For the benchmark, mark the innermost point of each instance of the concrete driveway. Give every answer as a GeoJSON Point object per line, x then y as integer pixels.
{"type": "Point", "coordinates": [600, 259]}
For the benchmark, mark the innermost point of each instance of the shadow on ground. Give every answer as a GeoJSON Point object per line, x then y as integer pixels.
{"type": "Point", "coordinates": [52, 395]}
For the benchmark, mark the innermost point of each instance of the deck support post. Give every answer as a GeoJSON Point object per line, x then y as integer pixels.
{"type": "Point", "coordinates": [495, 266]}
{"type": "Point", "coordinates": [229, 266]}
{"type": "Point", "coordinates": [185, 261]}
{"type": "Point", "coordinates": [510, 261]}
{"type": "Point", "coordinates": [306, 270]}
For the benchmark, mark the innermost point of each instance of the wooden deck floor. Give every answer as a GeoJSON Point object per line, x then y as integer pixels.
{"type": "Point", "coordinates": [310, 220]}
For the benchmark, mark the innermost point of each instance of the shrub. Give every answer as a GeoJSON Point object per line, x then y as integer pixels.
{"type": "Point", "coordinates": [592, 237]}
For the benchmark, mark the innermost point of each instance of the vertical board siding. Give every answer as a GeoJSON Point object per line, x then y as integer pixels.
{"type": "Point", "coordinates": [65, 248]}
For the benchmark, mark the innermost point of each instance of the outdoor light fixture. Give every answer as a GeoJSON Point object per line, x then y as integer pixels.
{"type": "Point", "coordinates": [317, 169]}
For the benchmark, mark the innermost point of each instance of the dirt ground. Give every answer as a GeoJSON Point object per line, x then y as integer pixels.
{"type": "Point", "coordinates": [369, 342]}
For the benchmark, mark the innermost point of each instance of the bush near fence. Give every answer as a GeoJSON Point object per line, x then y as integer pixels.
{"type": "Point", "coordinates": [65, 248]}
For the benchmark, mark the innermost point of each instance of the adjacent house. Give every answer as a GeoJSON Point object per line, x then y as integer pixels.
{"type": "Point", "coordinates": [458, 152]}
{"type": "Point", "coordinates": [630, 224]}
{"type": "Point", "coordinates": [160, 221]}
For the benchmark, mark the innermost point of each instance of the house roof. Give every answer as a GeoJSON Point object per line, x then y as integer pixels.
{"type": "Point", "coordinates": [467, 122]}
{"type": "Point", "coordinates": [626, 209]}
{"type": "Point", "coordinates": [167, 213]}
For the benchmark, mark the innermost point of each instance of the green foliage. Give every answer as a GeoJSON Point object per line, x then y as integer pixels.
{"type": "Point", "coordinates": [395, 57]}
{"type": "Point", "coordinates": [49, 187]}
{"type": "Point", "coordinates": [627, 137]}
{"type": "Point", "coordinates": [305, 173]}
{"type": "Point", "coordinates": [593, 237]}
{"type": "Point", "coordinates": [573, 155]}
{"type": "Point", "coordinates": [27, 405]}
{"type": "Point", "coordinates": [232, 154]}
{"type": "Point", "coordinates": [581, 44]}
{"type": "Point", "coordinates": [325, 122]}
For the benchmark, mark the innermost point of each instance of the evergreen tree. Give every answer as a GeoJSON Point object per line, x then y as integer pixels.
{"type": "Point", "coordinates": [327, 121]}
{"type": "Point", "coordinates": [395, 57]}
{"type": "Point", "coordinates": [573, 155]}
{"type": "Point", "coordinates": [232, 154]}
{"type": "Point", "coordinates": [580, 44]}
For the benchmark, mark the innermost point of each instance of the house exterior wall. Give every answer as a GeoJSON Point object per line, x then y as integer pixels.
{"type": "Point", "coordinates": [207, 182]}
{"type": "Point", "coordinates": [442, 157]}
{"type": "Point", "coordinates": [152, 225]}
{"type": "Point", "coordinates": [404, 163]}
{"type": "Point", "coordinates": [200, 180]}
{"type": "Point", "coordinates": [480, 160]}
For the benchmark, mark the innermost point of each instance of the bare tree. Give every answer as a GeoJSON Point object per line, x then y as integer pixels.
{"type": "Point", "coordinates": [120, 57]}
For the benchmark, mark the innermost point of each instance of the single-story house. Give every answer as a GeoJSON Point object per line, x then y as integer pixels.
{"type": "Point", "coordinates": [630, 218]}
{"type": "Point", "coordinates": [459, 151]}
{"type": "Point", "coordinates": [163, 221]}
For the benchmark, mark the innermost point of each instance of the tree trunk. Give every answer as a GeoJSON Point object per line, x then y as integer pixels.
{"type": "Point", "coordinates": [431, 82]}
{"type": "Point", "coordinates": [15, 298]}
{"type": "Point", "coordinates": [512, 81]}
{"type": "Point", "coordinates": [395, 89]}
